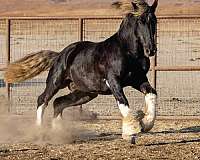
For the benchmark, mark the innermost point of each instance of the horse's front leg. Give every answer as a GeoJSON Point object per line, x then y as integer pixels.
{"type": "Point", "coordinates": [146, 117]}
{"type": "Point", "coordinates": [147, 122]}
{"type": "Point", "coordinates": [131, 126]}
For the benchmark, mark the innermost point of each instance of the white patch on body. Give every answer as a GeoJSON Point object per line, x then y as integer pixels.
{"type": "Point", "coordinates": [107, 83]}
{"type": "Point", "coordinates": [40, 113]}
{"type": "Point", "coordinates": [123, 109]}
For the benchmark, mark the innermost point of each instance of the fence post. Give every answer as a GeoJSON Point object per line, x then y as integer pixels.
{"type": "Point", "coordinates": [153, 66]}
{"type": "Point", "coordinates": [154, 72]}
{"type": "Point", "coordinates": [80, 29]}
{"type": "Point", "coordinates": [80, 36]}
{"type": "Point", "coordinates": [8, 56]}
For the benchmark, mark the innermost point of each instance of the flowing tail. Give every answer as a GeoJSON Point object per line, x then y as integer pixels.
{"type": "Point", "coordinates": [30, 66]}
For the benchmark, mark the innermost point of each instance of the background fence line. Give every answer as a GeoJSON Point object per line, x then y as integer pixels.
{"type": "Point", "coordinates": [87, 28]}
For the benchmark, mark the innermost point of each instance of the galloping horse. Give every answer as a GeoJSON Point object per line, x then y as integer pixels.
{"type": "Point", "coordinates": [89, 69]}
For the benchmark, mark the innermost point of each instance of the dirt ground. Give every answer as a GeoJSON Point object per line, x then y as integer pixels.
{"type": "Point", "coordinates": [97, 139]}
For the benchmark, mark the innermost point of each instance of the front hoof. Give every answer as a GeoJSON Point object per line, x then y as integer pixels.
{"type": "Point", "coordinates": [130, 128]}
{"type": "Point", "coordinates": [130, 138]}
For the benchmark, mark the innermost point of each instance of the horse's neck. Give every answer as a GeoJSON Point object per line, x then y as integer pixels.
{"type": "Point", "coordinates": [127, 37]}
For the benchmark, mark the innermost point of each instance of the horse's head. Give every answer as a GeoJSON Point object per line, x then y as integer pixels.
{"type": "Point", "coordinates": [146, 29]}
{"type": "Point", "coordinates": [139, 29]}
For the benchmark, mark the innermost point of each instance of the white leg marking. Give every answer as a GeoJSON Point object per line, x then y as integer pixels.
{"type": "Point", "coordinates": [150, 100]}
{"type": "Point", "coordinates": [40, 113]}
{"type": "Point", "coordinates": [150, 112]}
{"type": "Point", "coordinates": [123, 109]}
{"type": "Point", "coordinates": [56, 123]}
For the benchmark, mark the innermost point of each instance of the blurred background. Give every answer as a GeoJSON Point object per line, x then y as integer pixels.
{"type": "Point", "coordinates": [28, 26]}
{"type": "Point", "coordinates": [87, 7]}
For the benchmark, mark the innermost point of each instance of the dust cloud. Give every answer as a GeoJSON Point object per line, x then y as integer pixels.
{"type": "Point", "coordinates": [22, 128]}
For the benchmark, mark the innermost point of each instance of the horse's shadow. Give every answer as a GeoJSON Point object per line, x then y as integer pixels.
{"type": "Point", "coordinates": [193, 129]}
{"type": "Point", "coordinates": [197, 140]}
{"type": "Point", "coordinates": [117, 136]}
{"type": "Point", "coordinates": [99, 137]}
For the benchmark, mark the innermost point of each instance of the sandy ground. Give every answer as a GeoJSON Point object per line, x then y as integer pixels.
{"type": "Point", "coordinates": [96, 139]}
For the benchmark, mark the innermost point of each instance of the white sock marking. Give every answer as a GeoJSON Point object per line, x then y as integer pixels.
{"type": "Point", "coordinates": [40, 113]}
{"type": "Point", "coordinates": [123, 109]}
{"type": "Point", "coordinates": [150, 100]}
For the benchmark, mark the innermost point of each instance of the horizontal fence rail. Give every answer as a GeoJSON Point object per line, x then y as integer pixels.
{"type": "Point", "coordinates": [172, 69]}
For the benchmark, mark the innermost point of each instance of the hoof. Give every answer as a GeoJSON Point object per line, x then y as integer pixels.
{"type": "Point", "coordinates": [130, 138]}
{"type": "Point", "coordinates": [130, 127]}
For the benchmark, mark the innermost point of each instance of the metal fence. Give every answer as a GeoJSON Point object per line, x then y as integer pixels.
{"type": "Point", "coordinates": [175, 70]}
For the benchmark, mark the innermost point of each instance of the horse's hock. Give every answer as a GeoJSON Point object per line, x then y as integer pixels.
{"type": "Point", "coordinates": [175, 71]}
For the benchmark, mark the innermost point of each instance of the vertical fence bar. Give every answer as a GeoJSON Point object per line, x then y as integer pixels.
{"type": "Point", "coordinates": [154, 74]}
{"type": "Point", "coordinates": [80, 29]}
{"type": "Point", "coordinates": [8, 22]}
{"type": "Point", "coordinates": [153, 65]}
{"type": "Point", "coordinates": [80, 36]}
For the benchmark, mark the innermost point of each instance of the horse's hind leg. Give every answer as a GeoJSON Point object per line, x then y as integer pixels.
{"type": "Point", "coordinates": [42, 102]}
{"type": "Point", "coordinates": [55, 81]}
{"type": "Point", "coordinates": [73, 99]}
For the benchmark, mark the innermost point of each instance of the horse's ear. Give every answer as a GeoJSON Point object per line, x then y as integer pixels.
{"type": "Point", "coordinates": [154, 5]}
{"type": "Point", "coordinates": [135, 7]}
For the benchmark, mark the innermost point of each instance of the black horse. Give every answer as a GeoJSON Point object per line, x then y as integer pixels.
{"type": "Point", "coordinates": [89, 69]}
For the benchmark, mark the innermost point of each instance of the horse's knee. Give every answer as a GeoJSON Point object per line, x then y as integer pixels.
{"type": "Point", "coordinates": [146, 88]}
{"type": "Point", "coordinates": [41, 100]}
{"type": "Point", "coordinates": [57, 106]}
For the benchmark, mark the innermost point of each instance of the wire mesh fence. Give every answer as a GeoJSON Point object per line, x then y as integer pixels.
{"type": "Point", "coordinates": [178, 45]}
{"type": "Point", "coordinates": [2, 43]}
{"type": "Point", "coordinates": [33, 35]}
{"type": "Point", "coordinates": [3, 59]}
{"type": "Point", "coordinates": [99, 29]}
{"type": "Point", "coordinates": [178, 42]}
